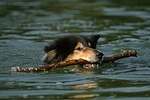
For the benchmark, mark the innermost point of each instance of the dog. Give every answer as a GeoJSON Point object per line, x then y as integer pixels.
{"type": "Point", "coordinates": [74, 47]}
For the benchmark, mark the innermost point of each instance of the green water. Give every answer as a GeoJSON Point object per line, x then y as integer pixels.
{"type": "Point", "coordinates": [27, 25]}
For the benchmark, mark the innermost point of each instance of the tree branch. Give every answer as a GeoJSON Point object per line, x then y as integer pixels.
{"type": "Point", "coordinates": [75, 62]}
{"type": "Point", "coordinates": [120, 56]}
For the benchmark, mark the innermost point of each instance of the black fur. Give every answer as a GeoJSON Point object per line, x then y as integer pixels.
{"type": "Point", "coordinates": [65, 45]}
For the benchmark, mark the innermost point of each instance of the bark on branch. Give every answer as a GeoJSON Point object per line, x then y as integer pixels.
{"type": "Point", "coordinates": [74, 62]}
{"type": "Point", "coordinates": [120, 55]}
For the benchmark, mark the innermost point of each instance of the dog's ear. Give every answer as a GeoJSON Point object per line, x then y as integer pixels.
{"type": "Point", "coordinates": [93, 40]}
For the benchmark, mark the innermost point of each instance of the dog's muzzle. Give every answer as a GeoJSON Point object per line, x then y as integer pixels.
{"type": "Point", "coordinates": [91, 65]}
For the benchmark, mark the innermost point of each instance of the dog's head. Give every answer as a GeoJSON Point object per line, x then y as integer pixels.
{"type": "Point", "coordinates": [74, 47]}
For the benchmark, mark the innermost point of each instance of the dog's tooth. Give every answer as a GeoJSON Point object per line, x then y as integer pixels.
{"type": "Point", "coordinates": [92, 65]}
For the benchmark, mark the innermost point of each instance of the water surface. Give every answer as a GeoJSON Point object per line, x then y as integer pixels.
{"type": "Point", "coordinates": [27, 26]}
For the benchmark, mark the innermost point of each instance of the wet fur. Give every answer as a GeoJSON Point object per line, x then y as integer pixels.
{"type": "Point", "coordinates": [68, 48]}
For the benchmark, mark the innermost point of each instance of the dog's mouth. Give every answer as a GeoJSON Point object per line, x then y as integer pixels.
{"type": "Point", "coordinates": [91, 65]}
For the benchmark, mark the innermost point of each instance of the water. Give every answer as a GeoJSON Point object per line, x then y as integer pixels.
{"type": "Point", "coordinates": [26, 27]}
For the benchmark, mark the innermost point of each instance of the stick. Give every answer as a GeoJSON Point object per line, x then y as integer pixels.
{"type": "Point", "coordinates": [74, 62]}
{"type": "Point", "coordinates": [119, 56]}
{"type": "Point", "coordinates": [50, 67]}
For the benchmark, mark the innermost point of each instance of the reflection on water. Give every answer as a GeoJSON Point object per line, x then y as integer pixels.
{"type": "Point", "coordinates": [27, 26]}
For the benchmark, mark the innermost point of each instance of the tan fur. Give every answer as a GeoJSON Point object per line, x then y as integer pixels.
{"type": "Point", "coordinates": [82, 52]}
{"type": "Point", "coordinates": [50, 55]}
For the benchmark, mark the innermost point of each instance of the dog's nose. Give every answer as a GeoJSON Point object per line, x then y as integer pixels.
{"type": "Point", "coordinates": [99, 54]}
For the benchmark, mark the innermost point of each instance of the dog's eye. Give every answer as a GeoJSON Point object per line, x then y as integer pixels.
{"type": "Point", "coordinates": [79, 48]}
